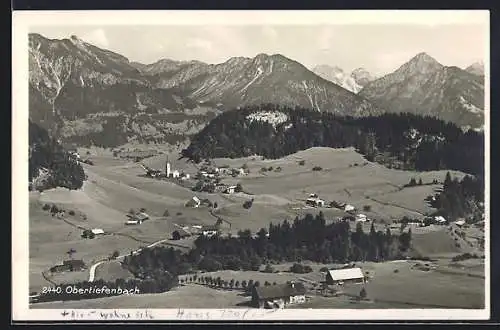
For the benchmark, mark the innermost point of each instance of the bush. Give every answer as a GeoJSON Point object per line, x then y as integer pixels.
{"type": "Point", "coordinates": [324, 269]}
{"type": "Point", "coordinates": [317, 168]}
{"type": "Point", "coordinates": [367, 208]}
{"type": "Point", "coordinates": [268, 269]}
{"type": "Point", "coordinates": [179, 213]}
{"type": "Point", "coordinates": [302, 162]}
{"type": "Point", "coordinates": [270, 168]}
{"type": "Point", "coordinates": [46, 207]}
{"type": "Point", "coordinates": [115, 254]}
{"type": "Point", "coordinates": [54, 209]}
{"type": "Point", "coordinates": [278, 169]}
{"type": "Point", "coordinates": [300, 269]}
{"type": "Point", "coordinates": [166, 213]}
{"type": "Point", "coordinates": [248, 204]}
{"type": "Point", "coordinates": [263, 169]}
{"type": "Point", "coordinates": [71, 212]}
{"type": "Point", "coordinates": [396, 270]}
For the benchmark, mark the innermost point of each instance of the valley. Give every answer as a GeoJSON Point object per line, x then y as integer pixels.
{"type": "Point", "coordinates": [254, 180]}
{"type": "Point", "coordinates": [115, 186]}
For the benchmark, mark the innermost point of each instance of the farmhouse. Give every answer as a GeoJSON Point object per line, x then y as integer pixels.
{"type": "Point", "coordinates": [209, 231]}
{"type": "Point", "coordinates": [278, 296]}
{"type": "Point", "coordinates": [230, 190]}
{"type": "Point", "coordinates": [341, 276]}
{"type": "Point", "coordinates": [97, 231]}
{"type": "Point", "coordinates": [361, 217]}
{"type": "Point", "coordinates": [439, 220]}
{"type": "Point", "coordinates": [68, 265]}
{"type": "Point", "coordinates": [315, 202]}
{"type": "Point", "coordinates": [137, 219]}
{"type": "Point", "coordinates": [180, 234]}
{"type": "Point", "coordinates": [193, 202]}
{"type": "Point", "coordinates": [349, 208]}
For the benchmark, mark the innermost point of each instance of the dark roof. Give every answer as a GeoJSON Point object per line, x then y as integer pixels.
{"type": "Point", "coordinates": [182, 232]}
{"type": "Point", "coordinates": [279, 291]}
{"type": "Point", "coordinates": [209, 227]}
{"type": "Point", "coordinates": [74, 262]}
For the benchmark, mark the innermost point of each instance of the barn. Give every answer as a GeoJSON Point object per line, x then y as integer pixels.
{"type": "Point", "coordinates": [347, 275]}
{"type": "Point", "coordinates": [278, 296]}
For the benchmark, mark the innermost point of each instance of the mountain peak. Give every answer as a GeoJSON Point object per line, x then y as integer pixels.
{"type": "Point", "coordinates": [421, 63]}
{"type": "Point", "coordinates": [476, 68]}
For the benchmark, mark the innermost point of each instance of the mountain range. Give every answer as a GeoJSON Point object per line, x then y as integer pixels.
{"type": "Point", "coordinates": [88, 95]}
{"type": "Point", "coordinates": [426, 87]}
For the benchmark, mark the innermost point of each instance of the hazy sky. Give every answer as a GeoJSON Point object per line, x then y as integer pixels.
{"type": "Point", "coordinates": [378, 48]}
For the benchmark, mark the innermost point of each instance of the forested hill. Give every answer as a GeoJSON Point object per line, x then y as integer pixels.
{"type": "Point", "coordinates": [49, 164]}
{"type": "Point", "coordinates": [403, 141]}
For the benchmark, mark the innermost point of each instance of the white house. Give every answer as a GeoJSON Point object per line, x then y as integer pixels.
{"type": "Point", "coordinates": [361, 218]}
{"type": "Point", "coordinates": [97, 231]}
{"type": "Point", "coordinates": [230, 190]}
{"type": "Point", "coordinates": [349, 208]}
{"type": "Point", "coordinates": [341, 276]}
{"type": "Point", "coordinates": [209, 231]}
{"type": "Point", "coordinates": [315, 202]}
{"type": "Point", "coordinates": [460, 223]}
{"type": "Point", "coordinates": [278, 296]}
{"type": "Point", "coordinates": [176, 174]}
{"type": "Point", "coordinates": [439, 219]}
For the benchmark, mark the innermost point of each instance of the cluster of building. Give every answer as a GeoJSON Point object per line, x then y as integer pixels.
{"type": "Point", "coordinates": [282, 295]}
{"type": "Point", "coordinates": [201, 230]}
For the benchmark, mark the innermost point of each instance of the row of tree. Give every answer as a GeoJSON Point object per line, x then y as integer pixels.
{"type": "Point", "coordinates": [417, 142]}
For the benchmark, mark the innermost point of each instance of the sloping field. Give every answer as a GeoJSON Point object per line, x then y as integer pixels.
{"type": "Point", "coordinates": [439, 242]}
{"type": "Point", "coordinates": [112, 270]}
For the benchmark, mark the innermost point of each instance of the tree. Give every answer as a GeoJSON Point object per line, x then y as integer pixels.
{"type": "Point", "coordinates": [176, 235]}
{"type": "Point", "coordinates": [266, 283]}
{"type": "Point", "coordinates": [268, 269]}
{"type": "Point", "coordinates": [420, 182]}
{"type": "Point", "coordinates": [238, 188]}
{"type": "Point", "coordinates": [256, 284]}
{"type": "Point", "coordinates": [244, 284]}
{"type": "Point", "coordinates": [362, 293]}
{"type": "Point", "coordinates": [231, 283]}
{"type": "Point", "coordinates": [166, 213]}
{"type": "Point", "coordinates": [237, 284]}
{"type": "Point", "coordinates": [115, 254]}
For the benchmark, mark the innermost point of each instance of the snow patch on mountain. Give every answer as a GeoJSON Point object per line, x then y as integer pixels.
{"type": "Point", "coordinates": [338, 77]}
{"type": "Point", "coordinates": [468, 106]}
{"type": "Point", "coordinates": [257, 75]}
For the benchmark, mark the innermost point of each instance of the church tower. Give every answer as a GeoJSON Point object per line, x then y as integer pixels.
{"type": "Point", "coordinates": [167, 168]}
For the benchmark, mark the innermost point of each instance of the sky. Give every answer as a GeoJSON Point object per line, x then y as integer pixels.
{"type": "Point", "coordinates": [378, 48]}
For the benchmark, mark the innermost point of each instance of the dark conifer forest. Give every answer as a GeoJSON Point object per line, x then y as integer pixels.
{"type": "Point", "coordinates": [460, 199]}
{"type": "Point", "coordinates": [46, 153]}
{"type": "Point", "coordinates": [403, 141]}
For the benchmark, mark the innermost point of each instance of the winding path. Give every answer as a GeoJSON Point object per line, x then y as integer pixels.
{"type": "Point", "coordinates": [97, 264]}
